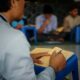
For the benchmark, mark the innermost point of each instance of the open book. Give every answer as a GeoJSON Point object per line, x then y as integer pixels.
{"type": "Point", "coordinates": [45, 59]}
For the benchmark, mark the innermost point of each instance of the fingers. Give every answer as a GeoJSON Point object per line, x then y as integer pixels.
{"type": "Point", "coordinates": [46, 22]}
{"type": "Point", "coordinates": [37, 61]}
{"type": "Point", "coordinates": [44, 54]}
{"type": "Point", "coordinates": [39, 55]}
{"type": "Point", "coordinates": [54, 54]}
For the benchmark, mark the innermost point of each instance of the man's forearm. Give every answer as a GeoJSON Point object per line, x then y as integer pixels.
{"type": "Point", "coordinates": [41, 29]}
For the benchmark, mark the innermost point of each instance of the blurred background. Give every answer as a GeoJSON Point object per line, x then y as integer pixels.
{"type": "Point", "coordinates": [34, 7]}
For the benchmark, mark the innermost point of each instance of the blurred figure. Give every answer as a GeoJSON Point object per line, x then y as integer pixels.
{"type": "Point", "coordinates": [71, 21]}
{"type": "Point", "coordinates": [46, 23]}
{"type": "Point", "coordinates": [18, 24]}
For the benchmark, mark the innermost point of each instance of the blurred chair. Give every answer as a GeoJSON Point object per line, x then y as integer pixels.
{"type": "Point", "coordinates": [75, 34]}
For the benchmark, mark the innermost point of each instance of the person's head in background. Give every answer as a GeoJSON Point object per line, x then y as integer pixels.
{"type": "Point", "coordinates": [12, 9]}
{"type": "Point", "coordinates": [47, 11]}
{"type": "Point", "coordinates": [73, 11]}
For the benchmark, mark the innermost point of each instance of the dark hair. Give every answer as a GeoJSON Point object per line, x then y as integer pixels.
{"type": "Point", "coordinates": [47, 9]}
{"type": "Point", "coordinates": [72, 7]}
{"type": "Point", "coordinates": [5, 5]}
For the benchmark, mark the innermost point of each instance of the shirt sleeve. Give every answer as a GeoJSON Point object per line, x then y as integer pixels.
{"type": "Point", "coordinates": [54, 23]}
{"type": "Point", "coordinates": [66, 25]}
{"type": "Point", "coordinates": [38, 22]}
{"type": "Point", "coordinates": [19, 64]}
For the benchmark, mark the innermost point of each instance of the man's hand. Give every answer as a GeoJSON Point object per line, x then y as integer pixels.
{"type": "Point", "coordinates": [44, 25]}
{"type": "Point", "coordinates": [37, 56]}
{"type": "Point", "coordinates": [46, 22]}
{"type": "Point", "coordinates": [57, 62]}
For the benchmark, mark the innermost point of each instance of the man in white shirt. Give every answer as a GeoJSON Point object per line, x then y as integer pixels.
{"type": "Point", "coordinates": [46, 23]}
{"type": "Point", "coordinates": [16, 63]}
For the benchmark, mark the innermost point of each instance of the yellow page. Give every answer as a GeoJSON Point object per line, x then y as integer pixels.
{"type": "Point", "coordinates": [40, 50]}
{"type": "Point", "coordinates": [60, 29]}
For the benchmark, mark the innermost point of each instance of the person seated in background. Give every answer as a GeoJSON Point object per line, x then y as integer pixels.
{"type": "Point", "coordinates": [18, 24]}
{"type": "Point", "coordinates": [46, 23]}
{"type": "Point", "coordinates": [70, 21]}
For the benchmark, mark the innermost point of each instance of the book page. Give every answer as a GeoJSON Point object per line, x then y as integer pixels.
{"type": "Point", "coordinates": [67, 54]}
{"type": "Point", "coordinates": [40, 50]}
{"type": "Point", "coordinates": [45, 61]}
{"type": "Point", "coordinates": [55, 49]}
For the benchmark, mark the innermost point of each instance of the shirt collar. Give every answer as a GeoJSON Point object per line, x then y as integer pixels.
{"type": "Point", "coordinates": [3, 17]}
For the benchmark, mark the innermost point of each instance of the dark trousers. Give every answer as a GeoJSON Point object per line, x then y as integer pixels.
{"type": "Point", "coordinates": [48, 37]}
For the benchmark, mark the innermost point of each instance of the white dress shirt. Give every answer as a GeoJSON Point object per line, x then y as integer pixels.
{"type": "Point", "coordinates": [15, 60]}
{"type": "Point", "coordinates": [51, 26]}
